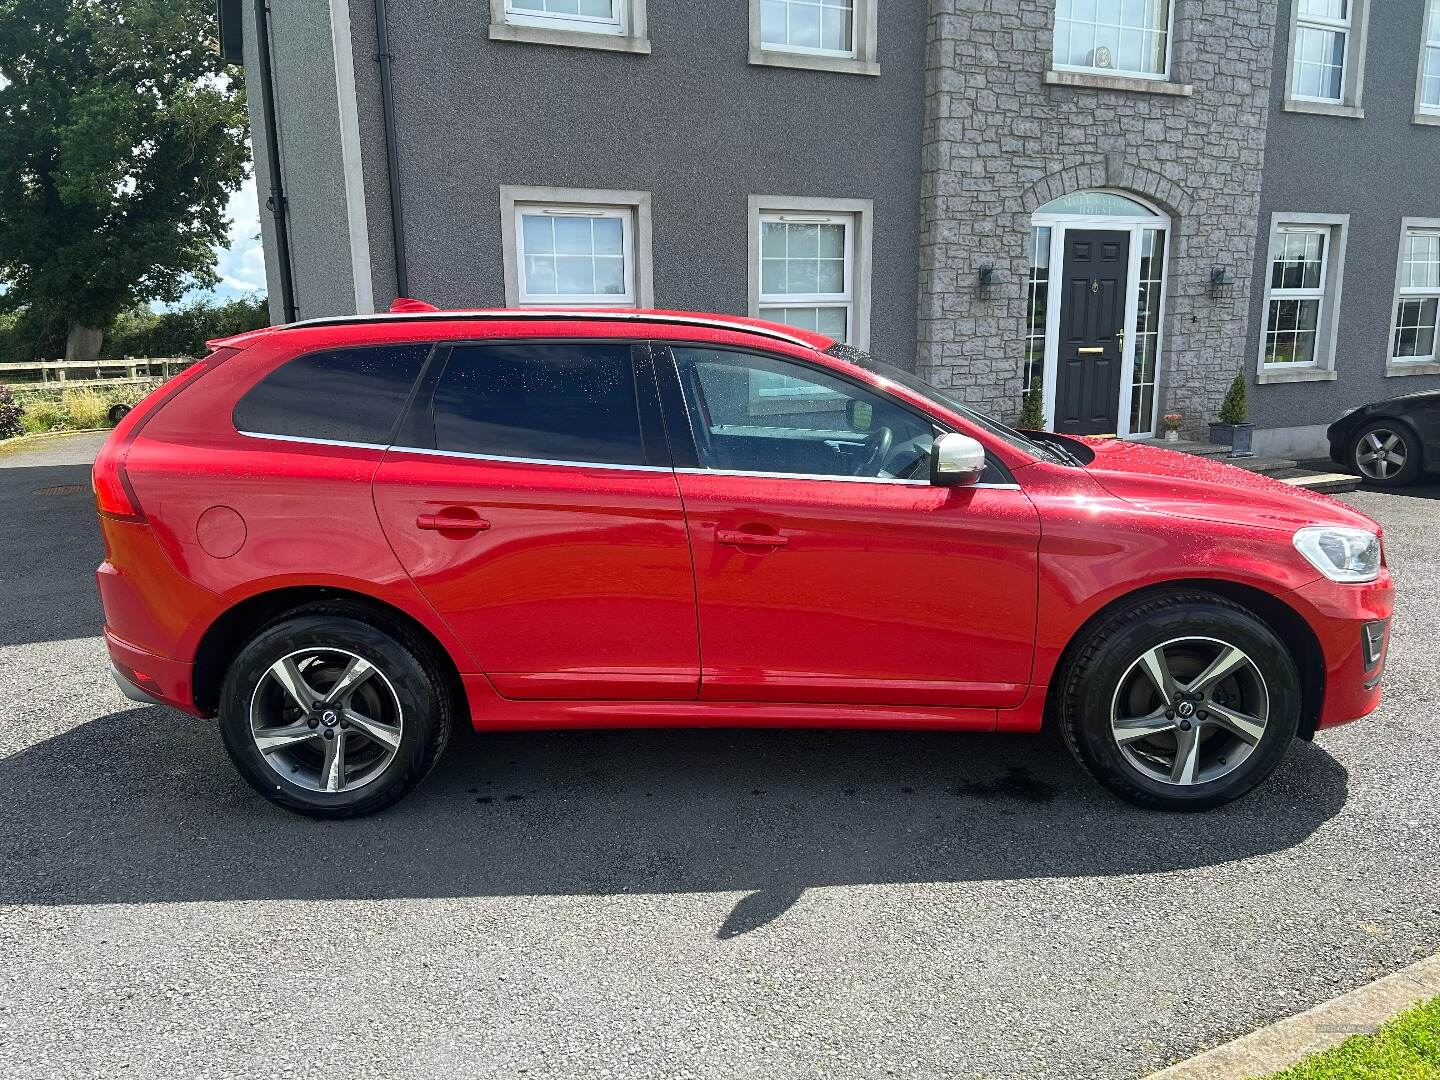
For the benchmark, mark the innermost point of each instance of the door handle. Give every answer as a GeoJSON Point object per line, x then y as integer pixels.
{"type": "Point", "coordinates": [452, 521]}
{"type": "Point", "coordinates": [741, 538]}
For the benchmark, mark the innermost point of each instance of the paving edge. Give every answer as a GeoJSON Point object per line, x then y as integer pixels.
{"type": "Point", "coordinates": [1282, 1044]}
{"type": "Point", "coordinates": [40, 436]}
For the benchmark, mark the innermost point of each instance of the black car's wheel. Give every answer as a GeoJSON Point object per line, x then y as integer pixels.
{"type": "Point", "coordinates": [1182, 702]}
{"type": "Point", "coordinates": [1387, 453]}
{"type": "Point", "coordinates": [331, 717]}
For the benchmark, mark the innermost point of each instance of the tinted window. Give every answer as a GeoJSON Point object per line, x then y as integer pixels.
{"type": "Point", "coordinates": [349, 395]}
{"type": "Point", "coordinates": [567, 402]}
{"type": "Point", "coordinates": [762, 414]}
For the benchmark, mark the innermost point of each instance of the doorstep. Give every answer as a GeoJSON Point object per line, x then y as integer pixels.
{"type": "Point", "coordinates": [1285, 470]}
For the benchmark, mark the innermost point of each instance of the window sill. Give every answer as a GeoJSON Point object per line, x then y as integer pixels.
{"type": "Point", "coordinates": [1271, 376]}
{"type": "Point", "coordinates": [1324, 108]}
{"type": "Point", "coordinates": [1428, 118]}
{"type": "Point", "coordinates": [845, 65]}
{"type": "Point", "coordinates": [1397, 368]}
{"type": "Point", "coordinates": [1091, 81]}
{"type": "Point", "coordinates": [575, 39]}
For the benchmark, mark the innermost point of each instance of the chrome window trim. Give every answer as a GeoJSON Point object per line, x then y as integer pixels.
{"type": "Point", "coordinates": [538, 314]}
{"type": "Point", "coordinates": [308, 440]}
{"type": "Point", "coordinates": [530, 461]}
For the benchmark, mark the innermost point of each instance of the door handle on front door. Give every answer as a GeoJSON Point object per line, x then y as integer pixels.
{"type": "Point", "coordinates": [744, 538]}
{"type": "Point", "coordinates": [457, 519]}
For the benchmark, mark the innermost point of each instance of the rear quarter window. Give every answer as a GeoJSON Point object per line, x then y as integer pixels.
{"type": "Point", "coordinates": [340, 395]}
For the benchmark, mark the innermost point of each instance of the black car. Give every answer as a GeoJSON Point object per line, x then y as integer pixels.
{"type": "Point", "coordinates": [1390, 443]}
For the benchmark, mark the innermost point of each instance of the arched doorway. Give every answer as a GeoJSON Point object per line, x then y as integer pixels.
{"type": "Point", "coordinates": [1095, 313]}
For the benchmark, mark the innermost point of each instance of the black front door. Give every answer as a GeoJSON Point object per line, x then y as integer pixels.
{"type": "Point", "coordinates": [1092, 334]}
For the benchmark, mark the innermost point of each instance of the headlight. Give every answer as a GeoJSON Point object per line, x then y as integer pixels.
{"type": "Point", "coordinates": [1348, 412]}
{"type": "Point", "coordinates": [1341, 554]}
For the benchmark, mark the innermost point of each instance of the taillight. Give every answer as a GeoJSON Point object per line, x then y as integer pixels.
{"type": "Point", "coordinates": [114, 496]}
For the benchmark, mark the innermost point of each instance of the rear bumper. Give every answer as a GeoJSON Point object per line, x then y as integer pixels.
{"type": "Point", "coordinates": [150, 679]}
{"type": "Point", "coordinates": [1352, 623]}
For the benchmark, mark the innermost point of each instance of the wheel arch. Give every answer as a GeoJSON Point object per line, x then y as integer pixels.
{"type": "Point", "coordinates": [236, 626]}
{"type": "Point", "coordinates": [1287, 623]}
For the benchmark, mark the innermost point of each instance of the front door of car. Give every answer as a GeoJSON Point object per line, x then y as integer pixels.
{"type": "Point", "coordinates": [827, 567]}
{"type": "Point", "coordinates": [532, 501]}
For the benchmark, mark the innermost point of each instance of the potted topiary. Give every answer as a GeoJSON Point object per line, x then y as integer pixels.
{"type": "Point", "coordinates": [1233, 429]}
{"type": "Point", "coordinates": [1171, 423]}
{"type": "Point", "coordinates": [1032, 410]}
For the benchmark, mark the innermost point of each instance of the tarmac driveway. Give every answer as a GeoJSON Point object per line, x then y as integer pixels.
{"type": "Point", "coordinates": [689, 904]}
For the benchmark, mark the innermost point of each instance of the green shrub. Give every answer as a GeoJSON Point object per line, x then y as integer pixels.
{"type": "Point", "coordinates": [1235, 409]}
{"type": "Point", "coordinates": [43, 416]}
{"type": "Point", "coordinates": [11, 414]}
{"type": "Point", "coordinates": [1032, 411]}
{"type": "Point", "coordinates": [85, 408]}
{"type": "Point", "coordinates": [183, 331]}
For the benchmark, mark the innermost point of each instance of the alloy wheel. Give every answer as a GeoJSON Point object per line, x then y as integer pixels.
{"type": "Point", "coordinates": [326, 719]}
{"type": "Point", "coordinates": [1190, 711]}
{"type": "Point", "coordinates": [1380, 454]}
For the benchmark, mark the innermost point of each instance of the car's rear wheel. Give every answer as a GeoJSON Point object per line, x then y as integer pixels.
{"type": "Point", "coordinates": [1182, 702]}
{"type": "Point", "coordinates": [331, 717]}
{"type": "Point", "coordinates": [1386, 453]}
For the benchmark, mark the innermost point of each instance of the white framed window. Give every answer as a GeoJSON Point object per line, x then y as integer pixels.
{"type": "Point", "coordinates": [1417, 298]}
{"type": "Point", "coordinates": [810, 265]}
{"type": "Point", "coordinates": [1427, 92]}
{"type": "Point", "coordinates": [1113, 37]}
{"type": "Point", "coordinates": [827, 35]}
{"type": "Point", "coordinates": [1327, 56]}
{"type": "Point", "coordinates": [594, 24]}
{"type": "Point", "coordinates": [568, 247]}
{"type": "Point", "coordinates": [1303, 277]}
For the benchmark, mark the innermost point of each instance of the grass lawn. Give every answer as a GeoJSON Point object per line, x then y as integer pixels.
{"type": "Point", "coordinates": [1407, 1048]}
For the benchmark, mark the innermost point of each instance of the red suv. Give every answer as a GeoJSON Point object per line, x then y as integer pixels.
{"type": "Point", "coordinates": [345, 536]}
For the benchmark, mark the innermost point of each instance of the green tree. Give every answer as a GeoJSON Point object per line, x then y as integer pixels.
{"type": "Point", "coordinates": [183, 331]}
{"type": "Point", "coordinates": [122, 136]}
{"type": "Point", "coordinates": [1235, 409]}
{"type": "Point", "coordinates": [1032, 409]}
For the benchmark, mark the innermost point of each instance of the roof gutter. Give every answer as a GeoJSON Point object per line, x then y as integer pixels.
{"type": "Point", "coordinates": [392, 151]}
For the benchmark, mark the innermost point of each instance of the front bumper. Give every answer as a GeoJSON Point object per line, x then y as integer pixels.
{"type": "Point", "coordinates": [1352, 623]}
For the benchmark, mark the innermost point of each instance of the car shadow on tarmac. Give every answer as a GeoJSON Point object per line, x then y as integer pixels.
{"type": "Point", "coordinates": [142, 806]}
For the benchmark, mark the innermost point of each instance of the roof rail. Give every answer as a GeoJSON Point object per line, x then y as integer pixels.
{"type": "Point", "coordinates": [551, 314]}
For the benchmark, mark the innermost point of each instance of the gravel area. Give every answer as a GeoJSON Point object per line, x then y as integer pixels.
{"type": "Point", "coordinates": [669, 904]}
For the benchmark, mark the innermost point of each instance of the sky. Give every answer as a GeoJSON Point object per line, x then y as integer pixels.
{"type": "Point", "coordinates": [241, 265]}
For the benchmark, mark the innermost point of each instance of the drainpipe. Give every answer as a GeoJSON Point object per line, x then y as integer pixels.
{"type": "Point", "coordinates": [275, 203]}
{"type": "Point", "coordinates": [392, 151]}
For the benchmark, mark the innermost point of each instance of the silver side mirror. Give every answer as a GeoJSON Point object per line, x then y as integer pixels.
{"type": "Point", "coordinates": [956, 460]}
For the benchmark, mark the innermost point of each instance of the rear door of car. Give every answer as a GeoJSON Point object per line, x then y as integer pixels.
{"type": "Point", "coordinates": [531, 497]}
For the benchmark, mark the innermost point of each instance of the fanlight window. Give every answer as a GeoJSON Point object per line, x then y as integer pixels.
{"type": "Point", "coordinates": [1097, 204]}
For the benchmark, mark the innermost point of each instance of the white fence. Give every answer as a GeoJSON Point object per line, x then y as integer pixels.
{"type": "Point", "coordinates": [45, 372]}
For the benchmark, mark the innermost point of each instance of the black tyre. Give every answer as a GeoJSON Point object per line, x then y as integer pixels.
{"type": "Point", "coordinates": [116, 413]}
{"type": "Point", "coordinates": [1386, 453]}
{"type": "Point", "coordinates": [1183, 702]}
{"type": "Point", "coordinates": [332, 717]}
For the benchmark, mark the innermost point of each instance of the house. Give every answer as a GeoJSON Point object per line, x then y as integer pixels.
{"type": "Point", "coordinates": [1125, 202]}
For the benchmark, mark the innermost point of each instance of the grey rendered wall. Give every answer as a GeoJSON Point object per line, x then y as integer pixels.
{"type": "Point", "coordinates": [1378, 169]}
{"type": "Point", "coordinates": [999, 142]}
{"type": "Point", "coordinates": [693, 123]}
{"type": "Point", "coordinates": [303, 61]}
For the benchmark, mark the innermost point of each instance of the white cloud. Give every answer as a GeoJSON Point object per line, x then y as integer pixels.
{"type": "Point", "coordinates": [241, 263]}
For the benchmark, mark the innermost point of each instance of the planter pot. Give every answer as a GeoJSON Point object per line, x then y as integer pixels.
{"type": "Point", "coordinates": [1172, 436]}
{"type": "Point", "coordinates": [1239, 437]}
{"type": "Point", "coordinates": [1241, 441]}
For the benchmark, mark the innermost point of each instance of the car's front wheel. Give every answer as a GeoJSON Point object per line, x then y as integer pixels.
{"type": "Point", "coordinates": [1184, 701]}
{"type": "Point", "coordinates": [331, 717]}
{"type": "Point", "coordinates": [1386, 453]}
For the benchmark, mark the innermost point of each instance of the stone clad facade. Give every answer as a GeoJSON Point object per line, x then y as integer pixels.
{"type": "Point", "coordinates": [1002, 138]}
